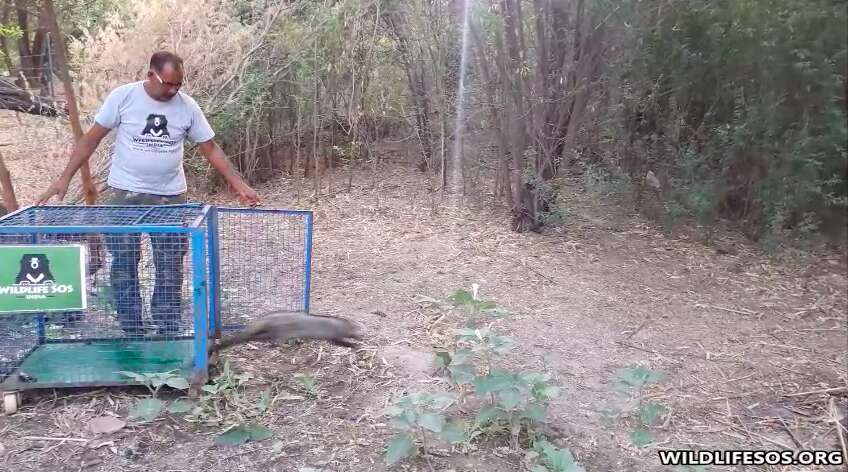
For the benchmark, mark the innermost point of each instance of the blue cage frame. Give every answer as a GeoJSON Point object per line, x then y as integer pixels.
{"type": "Point", "coordinates": [205, 284]}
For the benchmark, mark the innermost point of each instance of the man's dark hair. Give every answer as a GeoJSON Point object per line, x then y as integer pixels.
{"type": "Point", "coordinates": [159, 59]}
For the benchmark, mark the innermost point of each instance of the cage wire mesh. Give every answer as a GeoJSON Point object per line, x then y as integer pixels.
{"type": "Point", "coordinates": [139, 315]}
{"type": "Point", "coordinates": [139, 286]}
{"type": "Point", "coordinates": [263, 262]}
{"type": "Point", "coordinates": [111, 215]}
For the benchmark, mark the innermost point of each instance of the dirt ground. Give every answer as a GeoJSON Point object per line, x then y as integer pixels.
{"type": "Point", "coordinates": [754, 350]}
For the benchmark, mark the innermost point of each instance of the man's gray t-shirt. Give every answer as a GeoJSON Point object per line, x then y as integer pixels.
{"type": "Point", "coordinates": [149, 136]}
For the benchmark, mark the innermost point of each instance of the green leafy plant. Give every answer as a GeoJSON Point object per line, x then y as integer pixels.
{"type": "Point", "coordinates": [243, 433]}
{"type": "Point", "coordinates": [636, 378]}
{"type": "Point", "coordinates": [224, 399]}
{"type": "Point", "coordinates": [482, 340]}
{"type": "Point", "coordinates": [417, 415]}
{"type": "Point", "coordinates": [227, 383]}
{"type": "Point", "coordinates": [552, 458]}
{"type": "Point", "coordinates": [632, 381]}
{"type": "Point", "coordinates": [514, 402]}
{"type": "Point", "coordinates": [149, 409]}
{"type": "Point", "coordinates": [308, 383]}
{"type": "Point", "coordinates": [517, 401]}
{"type": "Point", "coordinates": [474, 305]}
{"type": "Point", "coordinates": [475, 344]}
{"type": "Point", "coordinates": [11, 31]}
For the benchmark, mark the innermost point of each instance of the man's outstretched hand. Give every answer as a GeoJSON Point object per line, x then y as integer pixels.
{"type": "Point", "coordinates": [216, 157]}
{"type": "Point", "coordinates": [247, 196]}
{"type": "Point", "coordinates": [57, 189]}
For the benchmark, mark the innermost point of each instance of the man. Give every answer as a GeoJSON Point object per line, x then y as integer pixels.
{"type": "Point", "coordinates": [152, 119]}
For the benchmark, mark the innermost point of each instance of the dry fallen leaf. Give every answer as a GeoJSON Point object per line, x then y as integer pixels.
{"type": "Point", "coordinates": [105, 425]}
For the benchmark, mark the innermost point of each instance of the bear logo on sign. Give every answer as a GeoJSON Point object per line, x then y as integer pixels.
{"type": "Point", "coordinates": [35, 270]}
{"type": "Point", "coordinates": [157, 126]}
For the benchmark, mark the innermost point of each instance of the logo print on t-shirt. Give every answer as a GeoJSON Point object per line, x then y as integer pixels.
{"type": "Point", "coordinates": [157, 126]}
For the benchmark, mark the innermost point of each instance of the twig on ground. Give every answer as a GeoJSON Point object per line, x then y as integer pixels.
{"type": "Point", "coordinates": [785, 346]}
{"type": "Point", "coordinates": [650, 351]}
{"type": "Point", "coordinates": [740, 378]}
{"type": "Point", "coordinates": [818, 329]}
{"type": "Point", "coordinates": [731, 435]}
{"type": "Point", "coordinates": [42, 438]}
{"type": "Point", "coordinates": [751, 433]}
{"type": "Point", "coordinates": [834, 415]}
{"type": "Point", "coordinates": [58, 444]}
{"type": "Point", "coordinates": [731, 310]}
{"type": "Point", "coordinates": [814, 392]}
{"type": "Point", "coordinates": [766, 438]}
{"type": "Point", "coordinates": [739, 395]}
{"type": "Point", "coordinates": [802, 374]}
{"type": "Point", "coordinates": [437, 321]}
{"type": "Point", "coordinates": [636, 331]}
{"type": "Point", "coordinates": [525, 264]}
{"type": "Point", "coordinates": [791, 433]}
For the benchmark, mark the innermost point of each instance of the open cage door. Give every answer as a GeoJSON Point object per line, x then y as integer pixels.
{"type": "Point", "coordinates": [260, 261]}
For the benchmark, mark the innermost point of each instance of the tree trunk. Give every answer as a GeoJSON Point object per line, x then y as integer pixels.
{"type": "Point", "coordinates": [31, 50]}
{"type": "Point", "coordinates": [297, 144]}
{"type": "Point", "coordinates": [10, 203]}
{"type": "Point", "coordinates": [89, 189]}
{"type": "Point", "coordinates": [315, 108]}
{"type": "Point", "coordinates": [513, 115]}
{"type": "Point", "coordinates": [502, 171]}
{"type": "Point", "coordinates": [415, 77]}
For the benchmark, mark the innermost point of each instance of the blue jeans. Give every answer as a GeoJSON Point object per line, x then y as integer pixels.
{"type": "Point", "coordinates": [168, 251]}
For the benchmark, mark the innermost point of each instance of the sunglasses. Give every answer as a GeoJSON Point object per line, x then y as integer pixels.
{"type": "Point", "coordinates": [169, 84]}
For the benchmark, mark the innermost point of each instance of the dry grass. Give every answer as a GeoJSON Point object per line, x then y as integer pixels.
{"type": "Point", "coordinates": [33, 148]}
{"type": "Point", "coordinates": [202, 31]}
{"type": "Point", "coordinates": [749, 346]}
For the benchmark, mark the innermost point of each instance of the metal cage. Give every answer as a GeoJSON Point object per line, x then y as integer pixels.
{"type": "Point", "coordinates": [157, 284]}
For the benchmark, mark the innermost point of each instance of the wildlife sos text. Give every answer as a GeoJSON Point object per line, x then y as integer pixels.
{"type": "Point", "coordinates": [745, 457]}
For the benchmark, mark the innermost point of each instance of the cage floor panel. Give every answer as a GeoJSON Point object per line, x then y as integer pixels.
{"type": "Point", "coordinates": [98, 363]}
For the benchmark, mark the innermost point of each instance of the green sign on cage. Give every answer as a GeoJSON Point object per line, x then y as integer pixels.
{"type": "Point", "coordinates": [42, 278]}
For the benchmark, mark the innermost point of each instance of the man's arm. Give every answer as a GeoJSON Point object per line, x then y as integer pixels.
{"type": "Point", "coordinates": [215, 155]}
{"type": "Point", "coordinates": [81, 153]}
{"type": "Point", "coordinates": [201, 133]}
